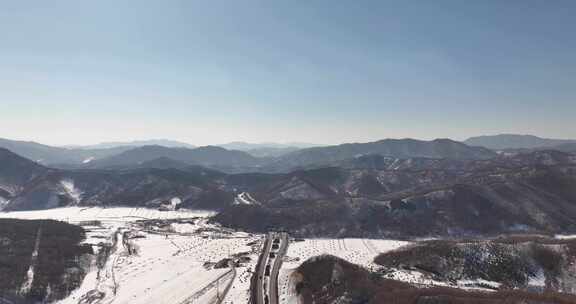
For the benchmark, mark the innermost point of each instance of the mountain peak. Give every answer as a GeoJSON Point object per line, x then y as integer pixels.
{"type": "Point", "coordinates": [515, 141]}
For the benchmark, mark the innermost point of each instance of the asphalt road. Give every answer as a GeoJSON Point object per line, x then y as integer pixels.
{"type": "Point", "coordinates": [260, 291]}
{"type": "Point", "coordinates": [273, 286]}
{"type": "Point", "coordinates": [267, 285]}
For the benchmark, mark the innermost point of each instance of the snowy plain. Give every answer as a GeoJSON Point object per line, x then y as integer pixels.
{"type": "Point", "coordinates": [172, 259]}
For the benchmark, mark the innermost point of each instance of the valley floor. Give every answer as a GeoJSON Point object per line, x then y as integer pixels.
{"type": "Point", "coordinates": [158, 257]}
{"type": "Point", "coordinates": [180, 257]}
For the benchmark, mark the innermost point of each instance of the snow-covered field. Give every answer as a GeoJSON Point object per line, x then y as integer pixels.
{"type": "Point", "coordinates": [159, 257]}
{"type": "Point", "coordinates": [106, 215]}
{"type": "Point", "coordinates": [357, 251]}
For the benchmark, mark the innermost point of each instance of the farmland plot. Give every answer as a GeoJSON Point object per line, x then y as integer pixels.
{"type": "Point", "coordinates": [158, 256]}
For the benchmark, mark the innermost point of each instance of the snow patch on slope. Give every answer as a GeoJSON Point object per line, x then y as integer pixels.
{"type": "Point", "coordinates": [10, 189]}
{"type": "Point", "coordinates": [245, 198]}
{"type": "Point", "coordinates": [71, 190]}
{"type": "Point", "coordinates": [478, 282]}
{"type": "Point", "coordinates": [3, 203]}
{"type": "Point", "coordinates": [25, 288]}
{"type": "Point", "coordinates": [175, 201]}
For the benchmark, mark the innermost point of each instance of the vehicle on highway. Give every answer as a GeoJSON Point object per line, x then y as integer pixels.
{"type": "Point", "coordinates": [267, 271]}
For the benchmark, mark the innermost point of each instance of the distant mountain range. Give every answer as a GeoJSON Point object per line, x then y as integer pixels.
{"type": "Point", "coordinates": [209, 156]}
{"type": "Point", "coordinates": [234, 161]}
{"type": "Point", "coordinates": [263, 159]}
{"type": "Point", "coordinates": [267, 149]}
{"type": "Point", "coordinates": [395, 148]}
{"type": "Point", "coordinates": [515, 141]}
{"type": "Point", "coordinates": [271, 152]}
{"type": "Point", "coordinates": [136, 143]}
{"type": "Point", "coordinates": [245, 146]}
{"type": "Point", "coordinates": [50, 155]}
{"type": "Point", "coordinates": [77, 154]}
{"type": "Point", "coordinates": [364, 195]}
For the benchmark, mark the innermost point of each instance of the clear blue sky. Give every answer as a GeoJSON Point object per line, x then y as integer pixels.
{"type": "Point", "coordinates": [79, 72]}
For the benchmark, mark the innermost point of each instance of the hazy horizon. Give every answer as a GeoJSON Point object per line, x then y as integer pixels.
{"type": "Point", "coordinates": [287, 143]}
{"type": "Point", "coordinates": [79, 73]}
